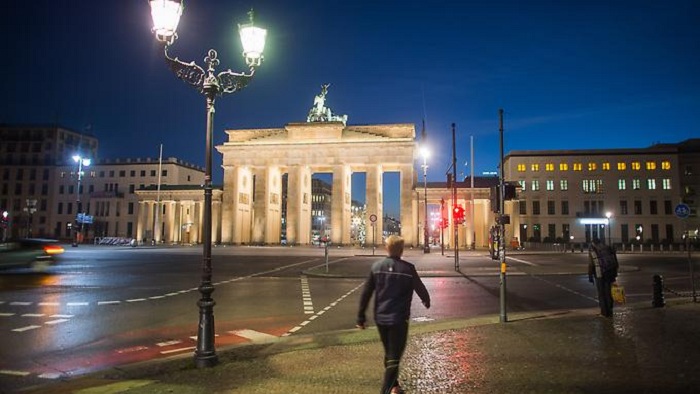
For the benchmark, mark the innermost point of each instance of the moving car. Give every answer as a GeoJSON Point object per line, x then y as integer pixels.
{"type": "Point", "coordinates": [35, 253]}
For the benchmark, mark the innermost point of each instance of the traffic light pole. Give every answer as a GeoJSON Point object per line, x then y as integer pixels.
{"type": "Point", "coordinates": [502, 226]}
{"type": "Point", "coordinates": [454, 196]}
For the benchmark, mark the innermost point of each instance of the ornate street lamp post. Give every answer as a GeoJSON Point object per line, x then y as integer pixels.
{"type": "Point", "coordinates": [79, 232]}
{"type": "Point", "coordinates": [426, 241]}
{"type": "Point", "coordinates": [166, 15]}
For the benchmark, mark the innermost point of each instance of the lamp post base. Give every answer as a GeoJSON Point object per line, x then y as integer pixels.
{"type": "Point", "coordinates": [426, 249]}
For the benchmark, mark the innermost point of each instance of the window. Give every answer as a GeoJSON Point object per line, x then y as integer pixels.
{"type": "Point", "coordinates": [19, 175]}
{"type": "Point", "coordinates": [549, 167]}
{"type": "Point", "coordinates": [550, 207]}
{"type": "Point", "coordinates": [61, 189]}
{"type": "Point", "coordinates": [130, 208]}
{"type": "Point", "coordinates": [623, 207]}
{"type": "Point", "coordinates": [550, 184]}
{"type": "Point", "coordinates": [592, 185]}
{"type": "Point", "coordinates": [535, 185]}
{"type": "Point", "coordinates": [606, 166]}
{"type": "Point", "coordinates": [668, 207]}
{"type": "Point", "coordinates": [32, 174]}
{"type": "Point", "coordinates": [592, 166]}
{"type": "Point", "coordinates": [636, 184]}
{"type": "Point", "coordinates": [636, 165]}
{"type": "Point", "coordinates": [122, 173]}
{"type": "Point", "coordinates": [621, 184]}
{"type": "Point", "coordinates": [578, 166]}
{"type": "Point", "coordinates": [534, 167]}
{"type": "Point", "coordinates": [637, 207]}
{"type": "Point", "coordinates": [666, 184]}
{"type": "Point", "coordinates": [132, 173]}
{"type": "Point", "coordinates": [665, 165]}
{"type": "Point", "coordinates": [522, 185]}
{"type": "Point", "coordinates": [143, 172]}
{"type": "Point", "coordinates": [535, 207]}
{"type": "Point", "coordinates": [653, 207]}
{"type": "Point", "coordinates": [564, 207]}
{"type": "Point", "coordinates": [153, 172]}
{"type": "Point", "coordinates": [164, 173]}
{"type": "Point", "coordinates": [564, 184]}
{"type": "Point", "coordinates": [18, 189]}
{"type": "Point", "coordinates": [111, 173]}
{"type": "Point", "coordinates": [651, 184]}
{"type": "Point", "coordinates": [521, 167]}
{"type": "Point", "coordinates": [651, 165]}
{"type": "Point", "coordinates": [131, 189]}
{"type": "Point", "coordinates": [563, 167]}
{"type": "Point", "coordinates": [102, 174]}
{"type": "Point", "coordinates": [621, 166]}
{"type": "Point", "coordinates": [60, 208]}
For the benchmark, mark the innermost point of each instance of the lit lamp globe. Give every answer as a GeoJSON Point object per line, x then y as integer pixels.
{"type": "Point", "coordinates": [166, 16]}
{"type": "Point", "coordinates": [253, 41]}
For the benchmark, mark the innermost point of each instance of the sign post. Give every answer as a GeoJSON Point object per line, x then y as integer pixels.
{"type": "Point", "coordinates": [682, 211]}
{"type": "Point", "coordinates": [373, 219]}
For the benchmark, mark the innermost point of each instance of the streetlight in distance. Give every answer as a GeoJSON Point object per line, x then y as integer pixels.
{"type": "Point", "coordinates": [30, 209]}
{"type": "Point", "coordinates": [608, 215]}
{"type": "Point", "coordinates": [166, 16]}
{"type": "Point", "coordinates": [426, 242]}
{"type": "Point", "coordinates": [82, 162]}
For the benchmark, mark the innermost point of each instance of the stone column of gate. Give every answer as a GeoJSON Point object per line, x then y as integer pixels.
{"type": "Point", "coordinates": [237, 210]}
{"type": "Point", "coordinates": [216, 221]}
{"type": "Point", "coordinates": [407, 214]}
{"type": "Point", "coordinates": [141, 224]}
{"type": "Point", "coordinates": [299, 205]}
{"type": "Point", "coordinates": [340, 205]}
{"type": "Point", "coordinates": [375, 205]}
{"type": "Point", "coordinates": [267, 205]}
{"type": "Point", "coordinates": [150, 218]}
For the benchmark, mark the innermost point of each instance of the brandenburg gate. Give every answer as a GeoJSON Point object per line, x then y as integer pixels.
{"type": "Point", "coordinates": [254, 161]}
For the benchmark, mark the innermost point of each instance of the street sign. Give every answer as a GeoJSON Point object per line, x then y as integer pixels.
{"type": "Point", "coordinates": [682, 211]}
{"type": "Point", "coordinates": [372, 218]}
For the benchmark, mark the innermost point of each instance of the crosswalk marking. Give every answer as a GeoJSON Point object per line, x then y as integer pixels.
{"type": "Point", "coordinates": [254, 336]}
{"type": "Point", "coordinates": [27, 328]}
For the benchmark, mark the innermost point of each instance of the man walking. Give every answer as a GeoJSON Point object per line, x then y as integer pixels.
{"type": "Point", "coordinates": [392, 281]}
{"type": "Point", "coordinates": [602, 268]}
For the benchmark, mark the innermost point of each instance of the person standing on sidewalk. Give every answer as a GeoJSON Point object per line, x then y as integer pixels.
{"type": "Point", "coordinates": [602, 269]}
{"type": "Point", "coordinates": [392, 281]}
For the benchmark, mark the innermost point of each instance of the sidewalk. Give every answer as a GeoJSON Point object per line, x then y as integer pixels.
{"type": "Point", "coordinates": [641, 350]}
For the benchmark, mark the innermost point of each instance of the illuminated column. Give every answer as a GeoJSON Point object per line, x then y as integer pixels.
{"type": "Point", "coordinates": [299, 205]}
{"type": "Point", "coordinates": [375, 205]}
{"type": "Point", "coordinates": [267, 206]}
{"type": "Point", "coordinates": [408, 225]}
{"type": "Point", "coordinates": [340, 208]}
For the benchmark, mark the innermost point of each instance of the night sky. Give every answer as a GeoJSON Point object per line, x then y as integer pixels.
{"type": "Point", "coordinates": [569, 74]}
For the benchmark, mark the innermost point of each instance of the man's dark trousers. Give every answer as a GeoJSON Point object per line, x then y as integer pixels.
{"type": "Point", "coordinates": [394, 341]}
{"type": "Point", "coordinates": [605, 299]}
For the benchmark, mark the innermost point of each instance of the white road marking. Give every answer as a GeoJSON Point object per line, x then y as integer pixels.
{"type": "Point", "coordinates": [177, 350]}
{"type": "Point", "coordinates": [255, 336]}
{"type": "Point", "coordinates": [26, 328]}
{"type": "Point", "coordinates": [62, 316]}
{"type": "Point", "coordinates": [156, 297]}
{"type": "Point", "coordinates": [5, 314]}
{"type": "Point", "coordinates": [49, 304]}
{"type": "Point", "coordinates": [78, 304]}
{"type": "Point", "coordinates": [50, 375]}
{"type": "Point", "coordinates": [168, 343]}
{"type": "Point", "coordinates": [422, 319]}
{"type": "Point", "coordinates": [136, 300]}
{"type": "Point", "coordinates": [107, 302]}
{"type": "Point", "coordinates": [13, 373]}
{"type": "Point", "coordinates": [52, 322]}
{"type": "Point", "coordinates": [321, 312]}
{"type": "Point", "coordinates": [33, 315]}
{"type": "Point", "coordinates": [20, 303]}
{"type": "Point", "coordinates": [522, 261]}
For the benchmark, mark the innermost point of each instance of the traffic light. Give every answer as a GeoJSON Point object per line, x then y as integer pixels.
{"type": "Point", "coordinates": [458, 214]}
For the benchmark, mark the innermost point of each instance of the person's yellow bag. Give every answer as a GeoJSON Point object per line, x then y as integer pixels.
{"type": "Point", "coordinates": [618, 293]}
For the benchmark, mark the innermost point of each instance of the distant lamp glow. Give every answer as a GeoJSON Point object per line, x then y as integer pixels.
{"type": "Point", "coordinates": [166, 16]}
{"type": "Point", "coordinates": [425, 152]}
{"type": "Point", "coordinates": [253, 41]}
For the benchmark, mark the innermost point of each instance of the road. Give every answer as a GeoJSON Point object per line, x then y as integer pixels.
{"type": "Point", "coordinates": [107, 306]}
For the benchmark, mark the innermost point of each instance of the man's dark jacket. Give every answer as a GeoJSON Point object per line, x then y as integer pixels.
{"type": "Point", "coordinates": [393, 281]}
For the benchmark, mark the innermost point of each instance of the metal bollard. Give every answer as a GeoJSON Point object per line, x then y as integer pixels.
{"type": "Point", "coordinates": [658, 292]}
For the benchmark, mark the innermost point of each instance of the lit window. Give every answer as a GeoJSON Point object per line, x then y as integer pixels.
{"type": "Point", "coordinates": [621, 166]}
{"type": "Point", "coordinates": [521, 167]}
{"type": "Point", "coordinates": [563, 167]}
{"type": "Point", "coordinates": [592, 166]}
{"type": "Point", "coordinates": [578, 166]}
{"type": "Point", "coordinates": [586, 186]}
{"type": "Point", "coordinates": [651, 184]}
{"type": "Point", "coordinates": [522, 185]}
{"type": "Point", "coordinates": [636, 184]}
{"type": "Point", "coordinates": [535, 167]}
{"type": "Point", "coordinates": [564, 185]}
{"type": "Point", "coordinates": [549, 167]}
{"type": "Point", "coordinates": [550, 184]}
{"type": "Point", "coordinates": [651, 165]}
{"type": "Point", "coordinates": [666, 184]}
{"type": "Point", "coordinates": [621, 184]}
{"type": "Point", "coordinates": [666, 165]}
{"type": "Point", "coordinates": [606, 166]}
{"type": "Point", "coordinates": [535, 185]}
{"type": "Point", "coordinates": [636, 165]}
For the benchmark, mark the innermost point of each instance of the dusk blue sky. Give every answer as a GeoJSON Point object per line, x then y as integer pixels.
{"type": "Point", "coordinates": [569, 74]}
